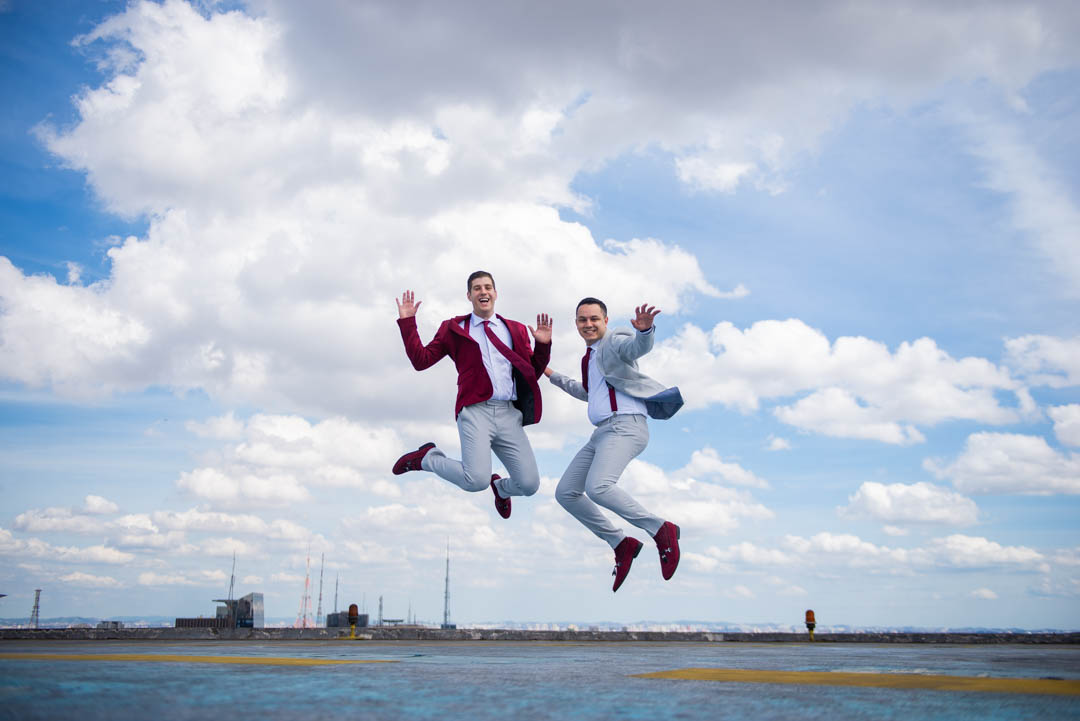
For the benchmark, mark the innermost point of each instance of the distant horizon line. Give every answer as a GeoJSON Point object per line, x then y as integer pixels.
{"type": "Point", "coordinates": [161, 621]}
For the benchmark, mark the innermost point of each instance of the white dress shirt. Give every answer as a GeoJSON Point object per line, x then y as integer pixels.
{"type": "Point", "coordinates": [600, 398]}
{"type": "Point", "coordinates": [498, 367]}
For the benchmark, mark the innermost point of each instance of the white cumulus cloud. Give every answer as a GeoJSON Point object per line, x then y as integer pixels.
{"type": "Point", "coordinates": [778, 444]}
{"type": "Point", "coordinates": [911, 503]}
{"type": "Point", "coordinates": [1010, 463]}
{"type": "Point", "coordinates": [98, 505]}
{"type": "Point", "coordinates": [964, 552]}
{"type": "Point", "coordinates": [152, 578]}
{"type": "Point", "coordinates": [956, 552]}
{"type": "Point", "coordinates": [1066, 423]}
{"type": "Point", "coordinates": [257, 162]}
{"type": "Point", "coordinates": [1046, 360]}
{"type": "Point", "coordinates": [854, 387]}
{"type": "Point", "coordinates": [57, 520]}
{"type": "Point", "coordinates": [707, 463]}
{"type": "Point", "coordinates": [89, 580]}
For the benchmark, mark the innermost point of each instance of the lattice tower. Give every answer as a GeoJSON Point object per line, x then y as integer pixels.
{"type": "Point", "coordinates": [305, 600]}
{"type": "Point", "coordinates": [232, 578]}
{"type": "Point", "coordinates": [37, 608]}
{"type": "Point", "coordinates": [446, 590]}
{"type": "Point", "coordinates": [318, 610]}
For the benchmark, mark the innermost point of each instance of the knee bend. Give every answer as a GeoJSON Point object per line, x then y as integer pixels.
{"type": "Point", "coordinates": [475, 485]}
{"type": "Point", "coordinates": [597, 492]}
{"type": "Point", "coordinates": [529, 486]}
{"type": "Point", "coordinates": [566, 496]}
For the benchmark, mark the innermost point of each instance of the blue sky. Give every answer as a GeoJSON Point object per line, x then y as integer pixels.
{"type": "Point", "coordinates": [860, 226]}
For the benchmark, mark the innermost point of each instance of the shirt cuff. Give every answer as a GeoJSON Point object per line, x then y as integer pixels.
{"type": "Point", "coordinates": [646, 332]}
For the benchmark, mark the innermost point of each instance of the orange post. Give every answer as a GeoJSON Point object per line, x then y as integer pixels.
{"type": "Point", "coordinates": [810, 623]}
{"type": "Point", "coordinates": [354, 616]}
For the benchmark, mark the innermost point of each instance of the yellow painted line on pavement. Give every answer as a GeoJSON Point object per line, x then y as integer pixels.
{"type": "Point", "coordinates": [183, 658]}
{"type": "Point", "coordinates": [1055, 687]}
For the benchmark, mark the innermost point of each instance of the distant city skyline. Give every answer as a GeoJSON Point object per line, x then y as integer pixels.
{"type": "Point", "coordinates": [860, 223]}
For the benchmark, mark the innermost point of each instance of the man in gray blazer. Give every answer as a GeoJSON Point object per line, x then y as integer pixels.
{"type": "Point", "coordinates": [619, 398]}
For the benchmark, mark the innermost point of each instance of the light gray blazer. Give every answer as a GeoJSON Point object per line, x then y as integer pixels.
{"type": "Point", "coordinates": [617, 353]}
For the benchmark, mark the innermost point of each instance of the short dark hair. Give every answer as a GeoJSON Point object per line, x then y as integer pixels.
{"type": "Point", "coordinates": [478, 274]}
{"type": "Point", "coordinates": [592, 301]}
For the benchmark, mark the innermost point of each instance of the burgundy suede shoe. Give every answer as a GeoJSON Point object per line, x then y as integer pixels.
{"type": "Point", "coordinates": [502, 505]}
{"type": "Point", "coordinates": [411, 460]}
{"type": "Point", "coordinates": [667, 542]}
{"type": "Point", "coordinates": [625, 553]}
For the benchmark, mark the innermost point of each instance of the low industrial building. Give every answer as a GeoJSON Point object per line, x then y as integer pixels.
{"type": "Point", "coordinates": [341, 620]}
{"type": "Point", "coordinates": [244, 612]}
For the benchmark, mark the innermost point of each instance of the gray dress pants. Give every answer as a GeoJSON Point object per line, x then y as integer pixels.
{"type": "Point", "coordinates": [490, 426]}
{"type": "Point", "coordinates": [590, 479]}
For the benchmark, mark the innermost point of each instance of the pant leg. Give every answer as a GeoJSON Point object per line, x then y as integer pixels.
{"type": "Point", "coordinates": [473, 473]}
{"type": "Point", "coordinates": [512, 447]}
{"type": "Point", "coordinates": [619, 441]}
{"type": "Point", "coordinates": [570, 493]}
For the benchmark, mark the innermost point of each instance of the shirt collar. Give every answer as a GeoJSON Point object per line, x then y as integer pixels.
{"type": "Point", "coordinates": [477, 320]}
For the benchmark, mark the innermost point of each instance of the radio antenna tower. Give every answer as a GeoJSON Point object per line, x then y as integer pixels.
{"type": "Point", "coordinates": [37, 608]}
{"type": "Point", "coordinates": [305, 600]}
{"type": "Point", "coordinates": [318, 610]}
{"type": "Point", "coordinates": [336, 576]}
{"type": "Point", "coordinates": [446, 592]}
{"type": "Point", "coordinates": [232, 578]}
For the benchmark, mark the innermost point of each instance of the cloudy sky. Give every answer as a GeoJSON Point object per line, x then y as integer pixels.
{"type": "Point", "coordinates": [860, 221]}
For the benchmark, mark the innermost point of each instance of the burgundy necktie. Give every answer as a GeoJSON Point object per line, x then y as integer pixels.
{"type": "Point", "coordinates": [585, 380]}
{"type": "Point", "coordinates": [499, 345]}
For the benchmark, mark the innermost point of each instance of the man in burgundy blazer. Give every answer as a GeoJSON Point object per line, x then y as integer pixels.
{"type": "Point", "coordinates": [497, 392]}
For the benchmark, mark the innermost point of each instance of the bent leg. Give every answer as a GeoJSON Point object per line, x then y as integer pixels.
{"type": "Point", "coordinates": [570, 493]}
{"type": "Point", "coordinates": [618, 442]}
{"type": "Point", "coordinates": [473, 471]}
{"type": "Point", "coordinates": [512, 447]}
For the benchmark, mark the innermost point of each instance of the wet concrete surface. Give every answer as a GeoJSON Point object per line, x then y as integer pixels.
{"type": "Point", "coordinates": [527, 680]}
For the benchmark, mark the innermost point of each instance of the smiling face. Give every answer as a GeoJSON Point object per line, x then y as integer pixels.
{"type": "Point", "coordinates": [591, 322]}
{"type": "Point", "coordinates": [482, 295]}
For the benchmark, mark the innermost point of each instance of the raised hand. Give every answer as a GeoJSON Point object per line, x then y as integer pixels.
{"type": "Point", "coordinates": [406, 307]}
{"type": "Point", "coordinates": [644, 316]}
{"type": "Point", "coordinates": [542, 332]}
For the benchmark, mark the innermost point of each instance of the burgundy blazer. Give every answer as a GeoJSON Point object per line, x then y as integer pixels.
{"type": "Point", "coordinates": [474, 384]}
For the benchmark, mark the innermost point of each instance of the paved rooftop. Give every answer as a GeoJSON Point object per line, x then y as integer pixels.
{"type": "Point", "coordinates": [373, 679]}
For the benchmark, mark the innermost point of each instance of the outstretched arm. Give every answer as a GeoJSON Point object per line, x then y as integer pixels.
{"type": "Point", "coordinates": [542, 331]}
{"type": "Point", "coordinates": [630, 349]}
{"type": "Point", "coordinates": [421, 356]}
{"type": "Point", "coordinates": [542, 335]}
{"type": "Point", "coordinates": [406, 307]}
{"type": "Point", "coordinates": [567, 384]}
{"type": "Point", "coordinates": [643, 317]}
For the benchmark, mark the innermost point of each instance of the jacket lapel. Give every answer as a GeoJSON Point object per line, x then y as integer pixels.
{"type": "Point", "coordinates": [455, 326]}
{"type": "Point", "coordinates": [515, 342]}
